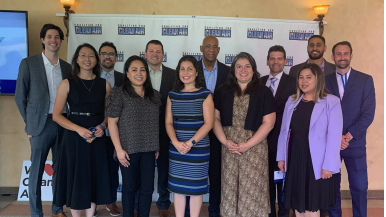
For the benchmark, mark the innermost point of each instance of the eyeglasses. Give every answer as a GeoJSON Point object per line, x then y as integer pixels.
{"type": "Point", "coordinates": [84, 56]}
{"type": "Point", "coordinates": [107, 54]}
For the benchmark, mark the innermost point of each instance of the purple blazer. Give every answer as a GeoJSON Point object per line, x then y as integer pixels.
{"type": "Point", "coordinates": [324, 136]}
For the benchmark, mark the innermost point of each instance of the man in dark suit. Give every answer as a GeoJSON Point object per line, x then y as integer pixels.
{"type": "Point", "coordinates": [315, 49]}
{"type": "Point", "coordinates": [282, 87]}
{"type": "Point", "coordinates": [162, 79]}
{"type": "Point", "coordinates": [215, 74]}
{"type": "Point", "coordinates": [357, 94]}
{"type": "Point", "coordinates": [37, 82]}
{"type": "Point", "coordinates": [108, 57]}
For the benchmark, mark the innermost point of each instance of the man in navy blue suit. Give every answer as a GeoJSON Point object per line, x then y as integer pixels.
{"type": "Point", "coordinates": [357, 94]}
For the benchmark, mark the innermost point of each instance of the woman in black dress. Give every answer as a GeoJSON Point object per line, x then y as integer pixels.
{"type": "Point", "coordinates": [309, 144]}
{"type": "Point", "coordinates": [83, 172]}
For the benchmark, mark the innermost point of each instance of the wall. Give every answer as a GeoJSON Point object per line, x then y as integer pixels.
{"type": "Point", "coordinates": [357, 21]}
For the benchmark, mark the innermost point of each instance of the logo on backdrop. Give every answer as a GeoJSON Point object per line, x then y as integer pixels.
{"type": "Point", "coordinates": [225, 32]}
{"type": "Point", "coordinates": [126, 29]}
{"type": "Point", "coordinates": [88, 29]}
{"type": "Point", "coordinates": [229, 58]}
{"type": "Point", "coordinates": [120, 56]}
{"type": "Point", "coordinates": [301, 35]}
{"type": "Point", "coordinates": [46, 184]}
{"type": "Point", "coordinates": [260, 33]}
{"type": "Point", "coordinates": [198, 56]}
{"type": "Point", "coordinates": [290, 61]}
{"type": "Point", "coordinates": [175, 30]}
{"type": "Point", "coordinates": [165, 58]}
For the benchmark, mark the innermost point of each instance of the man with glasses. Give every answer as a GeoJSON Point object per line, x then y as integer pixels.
{"type": "Point", "coordinates": [108, 58]}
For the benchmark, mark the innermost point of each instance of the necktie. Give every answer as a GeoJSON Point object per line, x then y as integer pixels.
{"type": "Point", "coordinates": [272, 86]}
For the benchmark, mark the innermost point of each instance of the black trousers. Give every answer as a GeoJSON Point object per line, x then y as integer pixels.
{"type": "Point", "coordinates": [141, 168]}
{"type": "Point", "coordinates": [114, 168]}
{"type": "Point", "coordinates": [282, 212]}
{"type": "Point", "coordinates": [214, 178]}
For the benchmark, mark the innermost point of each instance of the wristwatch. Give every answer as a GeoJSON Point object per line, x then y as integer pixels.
{"type": "Point", "coordinates": [193, 141]}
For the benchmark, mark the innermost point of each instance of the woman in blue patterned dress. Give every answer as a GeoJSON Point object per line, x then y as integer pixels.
{"type": "Point", "coordinates": [189, 118]}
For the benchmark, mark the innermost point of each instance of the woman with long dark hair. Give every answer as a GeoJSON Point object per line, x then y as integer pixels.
{"type": "Point", "coordinates": [309, 144]}
{"type": "Point", "coordinates": [83, 171]}
{"type": "Point", "coordinates": [188, 120]}
{"type": "Point", "coordinates": [244, 115]}
{"type": "Point", "coordinates": [133, 117]}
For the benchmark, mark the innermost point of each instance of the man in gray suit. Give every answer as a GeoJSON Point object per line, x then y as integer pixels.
{"type": "Point", "coordinates": [37, 83]}
{"type": "Point", "coordinates": [315, 49]}
{"type": "Point", "coordinates": [108, 57]}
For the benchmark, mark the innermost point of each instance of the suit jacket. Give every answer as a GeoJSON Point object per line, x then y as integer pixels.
{"type": "Point", "coordinates": [32, 95]}
{"type": "Point", "coordinates": [286, 88]}
{"type": "Point", "coordinates": [329, 68]}
{"type": "Point", "coordinates": [118, 78]}
{"type": "Point", "coordinates": [168, 78]}
{"type": "Point", "coordinates": [222, 72]}
{"type": "Point", "coordinates": [358, 104]}
{"type": "Point", "coordinates": [324, 134]}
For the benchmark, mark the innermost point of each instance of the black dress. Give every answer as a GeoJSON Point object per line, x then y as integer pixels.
{"type": "Point", "coordinates": [302, 191]}
{"type": "Point", "coordinates": [83, 172]}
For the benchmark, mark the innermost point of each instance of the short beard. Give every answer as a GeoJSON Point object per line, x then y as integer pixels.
{"type": "Point", "coordinates": [111, 67]}
{"type": "Point", "coordinates": [342, 67]}
{"type": "Point", "coordinates": [317, 57]}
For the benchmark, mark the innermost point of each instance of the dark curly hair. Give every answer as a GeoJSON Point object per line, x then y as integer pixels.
{"type": "Point", "coordinates": [200, 79]}
{"type": "Point", "coordinates": [254, 84]}
{"type": "Point", "coordinates": [75, 66]}
{"type": "Point", "coordinates": [147, 86]}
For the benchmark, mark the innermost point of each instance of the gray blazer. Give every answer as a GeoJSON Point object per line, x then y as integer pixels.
{"type": "Point", "coordinates": [329, 68]}
{"type": "Point", "coordinates": [32, 95]}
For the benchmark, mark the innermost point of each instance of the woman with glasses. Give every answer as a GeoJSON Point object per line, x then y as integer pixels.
{"type": "Point", "coordinates": [83, 171]}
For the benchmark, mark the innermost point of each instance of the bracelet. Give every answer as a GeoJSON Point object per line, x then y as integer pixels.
{"type": "Point", "coordinates": [103, 126]}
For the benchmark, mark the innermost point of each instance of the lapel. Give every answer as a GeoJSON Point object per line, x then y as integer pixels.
{"type": "Point", "coordinates": [280, 88]}
{"type": "Point", "coordinates": [163, 79]}
{"type": "Point", "coordinates": [350, 82]}
{"type": "Point", "coordinates": [291, 108]}
{"type": "Point", "coordinates": [41, 69]}
{"type": "Point", "coordinates": [264, 80]}
{"type": "Point", "coordinates": [63, 69]}
{"type": "Point", "coordinates": [334, 85]}
{"type": "Point", "coordinates": [319, 107]}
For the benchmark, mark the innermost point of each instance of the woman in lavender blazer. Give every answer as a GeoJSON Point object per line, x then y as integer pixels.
{"type": "Point", "coordinates": [309, 144]}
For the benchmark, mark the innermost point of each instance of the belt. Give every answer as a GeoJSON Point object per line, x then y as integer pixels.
{"type": "Point", "coordinates": [84, 113]}
{"type": "Point", "coordinates": [50, 115]}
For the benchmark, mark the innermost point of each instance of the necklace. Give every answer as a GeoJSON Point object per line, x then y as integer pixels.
{"type": "Point", "coordinates": [305, 100]}
{"type": "Point", "coordinates": [85, 85]}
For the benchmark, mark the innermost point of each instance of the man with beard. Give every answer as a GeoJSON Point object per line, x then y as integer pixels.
{"type": "Point", "coordinates": [282, 87]}
{"type": "Point", "coordinates": [215, 74]}
{"type": "Point", "coordinates": [357, 94]}
{"type": "Point", "coordinates": [162, 79]}
{"type": "Point", "coordinates": [315, 49]}
{"type": "Point", "coordinates": [108, 57]}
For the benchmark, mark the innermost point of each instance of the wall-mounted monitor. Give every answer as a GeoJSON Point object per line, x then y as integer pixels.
{"type": "Point", "coordinates": [13, 47]}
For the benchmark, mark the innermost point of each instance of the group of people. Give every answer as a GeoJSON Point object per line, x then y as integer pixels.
{"type": "Point", "coordinates": [208, 128]}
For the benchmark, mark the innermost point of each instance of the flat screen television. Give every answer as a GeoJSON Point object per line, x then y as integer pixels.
{"type": "Point", "coordinates": [13, 47]}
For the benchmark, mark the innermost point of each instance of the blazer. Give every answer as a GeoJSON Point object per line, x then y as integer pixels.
{"type": "Point", "coordinates": [358, 104]}
{"type": "Point", "coordinates": [167, 82]}
{"type": "Point", "coordinates": [222, 72]}
{"type": "Point", "coordinates": [324, 135]}
{"type": "Point", "coordinates": [118, 78]}
{"type": "Point", "coordinates": [32, 95]}
{"type": "Point", "coordinates": [286, 88]}
{"type": "Point", "coordinates": [329, 68]}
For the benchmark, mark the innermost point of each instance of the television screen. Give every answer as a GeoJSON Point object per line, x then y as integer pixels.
{"type": "Point", "coordinates": [13, 47]}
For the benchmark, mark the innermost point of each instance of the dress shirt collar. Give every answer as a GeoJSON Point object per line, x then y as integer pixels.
{"type": "Point", "coordinates": [151, 70]}
{"type": "Point", "coordinates": [214, 67]}
{"type": "Point", "coordinates": [278, 76]}
{"type": "Point", "coordinates": [46, 61]}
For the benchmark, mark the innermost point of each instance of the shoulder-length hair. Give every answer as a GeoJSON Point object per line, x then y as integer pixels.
{"type": "Point", "coordinates": [200, 79]}
{"type": "Point", "coordinates": [147, 86]}
{"type": "Point", "coordinates": [320, 84]}
{"type": "Point", "coordinates": [254, 84]}
{"type": "Point", "coordinates": [75, 66]}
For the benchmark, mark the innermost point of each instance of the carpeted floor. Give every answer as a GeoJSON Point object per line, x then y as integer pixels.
{"type": "Point", "coordinates": [15, 208]}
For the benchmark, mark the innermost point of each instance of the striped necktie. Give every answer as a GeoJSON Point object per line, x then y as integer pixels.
{"type": "Point", "coordinates": [272, 86]}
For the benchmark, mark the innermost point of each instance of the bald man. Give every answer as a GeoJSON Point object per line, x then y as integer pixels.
{"type": "Point", "coordinates": [215, 74]}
